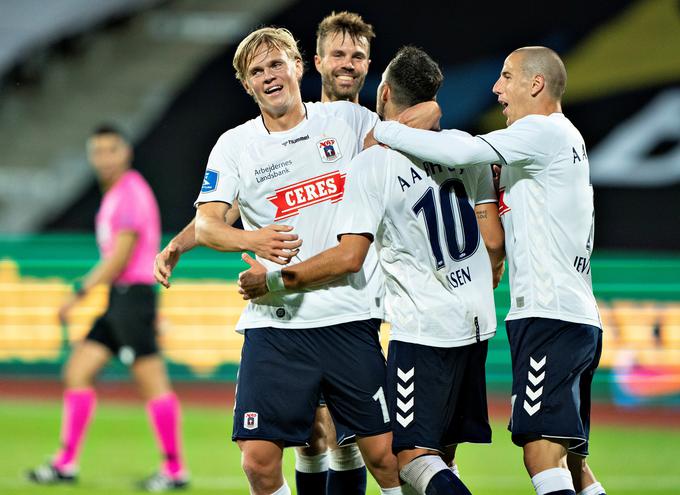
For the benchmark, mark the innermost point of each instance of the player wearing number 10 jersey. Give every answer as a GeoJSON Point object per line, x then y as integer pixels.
{"type": "Point", "coordinates": [553, 326]}
{"type": "Point", "coordinates": [439, 296]}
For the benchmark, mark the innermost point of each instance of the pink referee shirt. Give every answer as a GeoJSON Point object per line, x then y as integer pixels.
{"type": "Point", "coordinates": [130, 205]}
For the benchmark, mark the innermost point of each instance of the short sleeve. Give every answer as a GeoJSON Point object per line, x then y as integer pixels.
{"type": "Point", "coordinates": [526, 143]}
{"type": "Point", "coordinates": [363, 206]}
{"type": "Point", "coordinates": [486, 193]}
{"type": "Point", "coordinates": [221, 178]}
{"type": "Point", "coordinates": [360, 118]}
{"type": "Point", "coordinates": [127, 215]}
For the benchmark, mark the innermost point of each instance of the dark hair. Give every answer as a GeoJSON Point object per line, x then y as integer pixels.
{"type": "Point", "coordinates": [413, 77]}
{"type": "Point", "coordinates": [347, 23]}
{"type": "Point", "coordinates": [108, 128]}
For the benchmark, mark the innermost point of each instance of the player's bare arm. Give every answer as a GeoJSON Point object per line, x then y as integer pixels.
{"type": "Point", "coordinates": [493, 236]}
{"type": "Point", "coordinates": [183, 242]}
{"type": "Point", "coordinates": [346, 257]}
{"type": "Point", "coordinates": [425, 115]}
{"type": "Point", "coordinates": [103, 272]}
{"type": "Point", "coordinates": [273, 242]}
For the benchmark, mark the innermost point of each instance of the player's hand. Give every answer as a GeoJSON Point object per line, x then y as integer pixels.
{"type": "Point", "coordinates": [65, 309]}
{"type": "Point", "coordinates": [164, 263]}
{"type": "Point", "coordinates": [275, 243]}
{"type": "Point", "coordinates": [424, 115]}
{"type": "Point", "coordinates": [370, 140]}
{"type": "Point", "coordinates": [253, 282]}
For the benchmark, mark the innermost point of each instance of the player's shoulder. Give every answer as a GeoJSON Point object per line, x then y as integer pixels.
{"type": "Point", "coordinates": [342, 109]}
{"type": "Point", "coordinates": [239, 134]}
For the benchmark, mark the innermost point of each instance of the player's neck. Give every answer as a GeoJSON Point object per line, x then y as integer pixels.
{"type": "Point", "coordinates": [326, 98]}
{"type": "Point", "coordinates": [286, 121]}
{"type": "Point", "coordinates": [112, 180]}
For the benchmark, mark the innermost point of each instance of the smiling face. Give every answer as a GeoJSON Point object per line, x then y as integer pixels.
{"type": "Point", "coordinates": [343, 64]}
{"type": "Point", "coordinates": [514, 89]}
{"type": "Point", "coordinates": [272, 78]}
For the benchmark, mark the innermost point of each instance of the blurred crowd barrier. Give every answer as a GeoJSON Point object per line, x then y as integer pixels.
{"type": "Point", "coordinates": [639, 300]}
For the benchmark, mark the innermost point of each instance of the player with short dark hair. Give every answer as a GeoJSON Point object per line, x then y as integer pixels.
{"type": "Point", "coordinates": [546, 203]}
{"type": "Point", "coordinates": [288, 164]}
{"type": "Point", "coordinates": [128, 235]}
{"type": "Point", "coordinates": [439, 292]}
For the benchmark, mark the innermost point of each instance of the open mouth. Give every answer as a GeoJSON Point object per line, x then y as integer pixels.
{"type": "Point", "coordinates": [273, 89]}
{"type": "Point", "coordinates": [504, 105]}
{"type": "Point", "coordinates": [343, 78]}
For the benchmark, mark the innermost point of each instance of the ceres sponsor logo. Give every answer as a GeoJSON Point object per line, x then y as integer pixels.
{"type": "Point", "coordinates": [290, 199]}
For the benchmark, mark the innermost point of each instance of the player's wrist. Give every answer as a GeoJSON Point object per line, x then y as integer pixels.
{"type": "Point", "coordinates": [78, 290]}
{"type": "Point", "coordinates": [274, 281]}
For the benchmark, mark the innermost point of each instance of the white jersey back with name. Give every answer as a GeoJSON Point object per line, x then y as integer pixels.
{"type": "Point", "coordinates": [546, 205]}
{"type": "Point", "coordinates": [297, 178]}
{"type": "Point", "coordinates": [437, 272]}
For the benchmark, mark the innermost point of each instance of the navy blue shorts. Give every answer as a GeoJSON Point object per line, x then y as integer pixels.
{"type": "Point", "coordinates": [437, 396]}
{"type": "Point", "coordinates": [343, 435]}
{"type": "Point", "coordinates": [553, 363]}
{"type": "Point", "coordinates": [284, 372]}
{"type": "Point", "coordinates": [128, 327]}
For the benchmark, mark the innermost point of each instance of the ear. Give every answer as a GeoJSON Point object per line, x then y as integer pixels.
{"type": "Point", "coordinates": [299, 69]}
{"type": "Point", "coordinates": [317, 63]}
{"type": "Point", "coordinates": [537, 84]}
{"type": "Point", "coordinates": [247, 88]}
{"type": "Point", "coordinates": [386, 92]}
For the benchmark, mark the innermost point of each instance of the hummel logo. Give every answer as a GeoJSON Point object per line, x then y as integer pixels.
{"type": "Point", "coordinates": [536, 380]}
{"type": "Point", "coordinates": [405, 391]}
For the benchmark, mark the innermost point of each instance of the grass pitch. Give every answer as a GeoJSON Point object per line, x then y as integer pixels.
{"type": "Point", "coordinates": [120, 449]}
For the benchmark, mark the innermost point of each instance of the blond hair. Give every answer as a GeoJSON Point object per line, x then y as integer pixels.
{"type": "Point", "coordinates": [347, 23]}
{"type": "Point", "coordinates": [274, 38]}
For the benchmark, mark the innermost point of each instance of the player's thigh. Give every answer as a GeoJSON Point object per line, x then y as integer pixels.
{"type": "Point", "coordinates": [423, 384]}
{"type": "Point", "coordinates": [278, 386]}
{"type": "Point", "coordinates": [549, 359]}
{"type": "Point", "coordinates": [84, 363]}
{"type": "Point", "coordinates": [151, 376]}
{"type": "Point", "coordinates": [470, 422]}
{"type": "Point", "coordinates": [354, 377]}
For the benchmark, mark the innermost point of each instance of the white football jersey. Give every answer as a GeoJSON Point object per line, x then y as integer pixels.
{"type": "Point", "coordinates": [546, 206]}
{"type": "Point", "coordinates": [297, 178]}
{"type": "Point", "coordinates": [438, 282]}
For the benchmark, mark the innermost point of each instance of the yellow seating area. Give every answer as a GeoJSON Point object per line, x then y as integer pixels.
{"type": "Point", "coordinates": [197, 320]}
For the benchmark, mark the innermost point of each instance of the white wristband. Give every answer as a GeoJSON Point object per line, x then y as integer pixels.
{"type": "Point", "coordinates": [274, 281]}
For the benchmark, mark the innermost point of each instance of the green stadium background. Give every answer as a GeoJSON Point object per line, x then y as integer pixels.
{"type": "Point", "coordinates": [637, 293]}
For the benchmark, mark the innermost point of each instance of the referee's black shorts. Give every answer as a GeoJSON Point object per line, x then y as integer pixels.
{"type": "Point", "coordinates": [127, 328]}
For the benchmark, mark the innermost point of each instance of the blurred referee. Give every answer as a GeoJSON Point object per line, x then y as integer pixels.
{"type": "Point", "coordinates": [128, 235]}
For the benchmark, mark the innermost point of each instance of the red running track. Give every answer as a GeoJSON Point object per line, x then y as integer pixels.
{"type": "Point", "coordinates": [221, 395]}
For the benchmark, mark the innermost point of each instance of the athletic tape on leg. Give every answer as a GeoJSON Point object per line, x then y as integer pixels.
{"type": "Point", "coordinates": [346, 458]}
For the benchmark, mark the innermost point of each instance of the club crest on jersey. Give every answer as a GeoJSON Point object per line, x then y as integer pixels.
{"type": "Point", "coordinates": [210, 181]}
{"type": "Point", "coordinates": [289, 200]}
{"type": "Point", "coordinates": [250, 420]}
{"type": "Point", "coordinates": [329, 150]}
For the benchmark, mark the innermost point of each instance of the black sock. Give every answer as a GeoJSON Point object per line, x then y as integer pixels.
{"type": "Point", "coordinates": [311, 483]}
{"type": "Point", "coordinates": [446, 483]}
{"type": "Point", "coordinates": [352, 482]}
